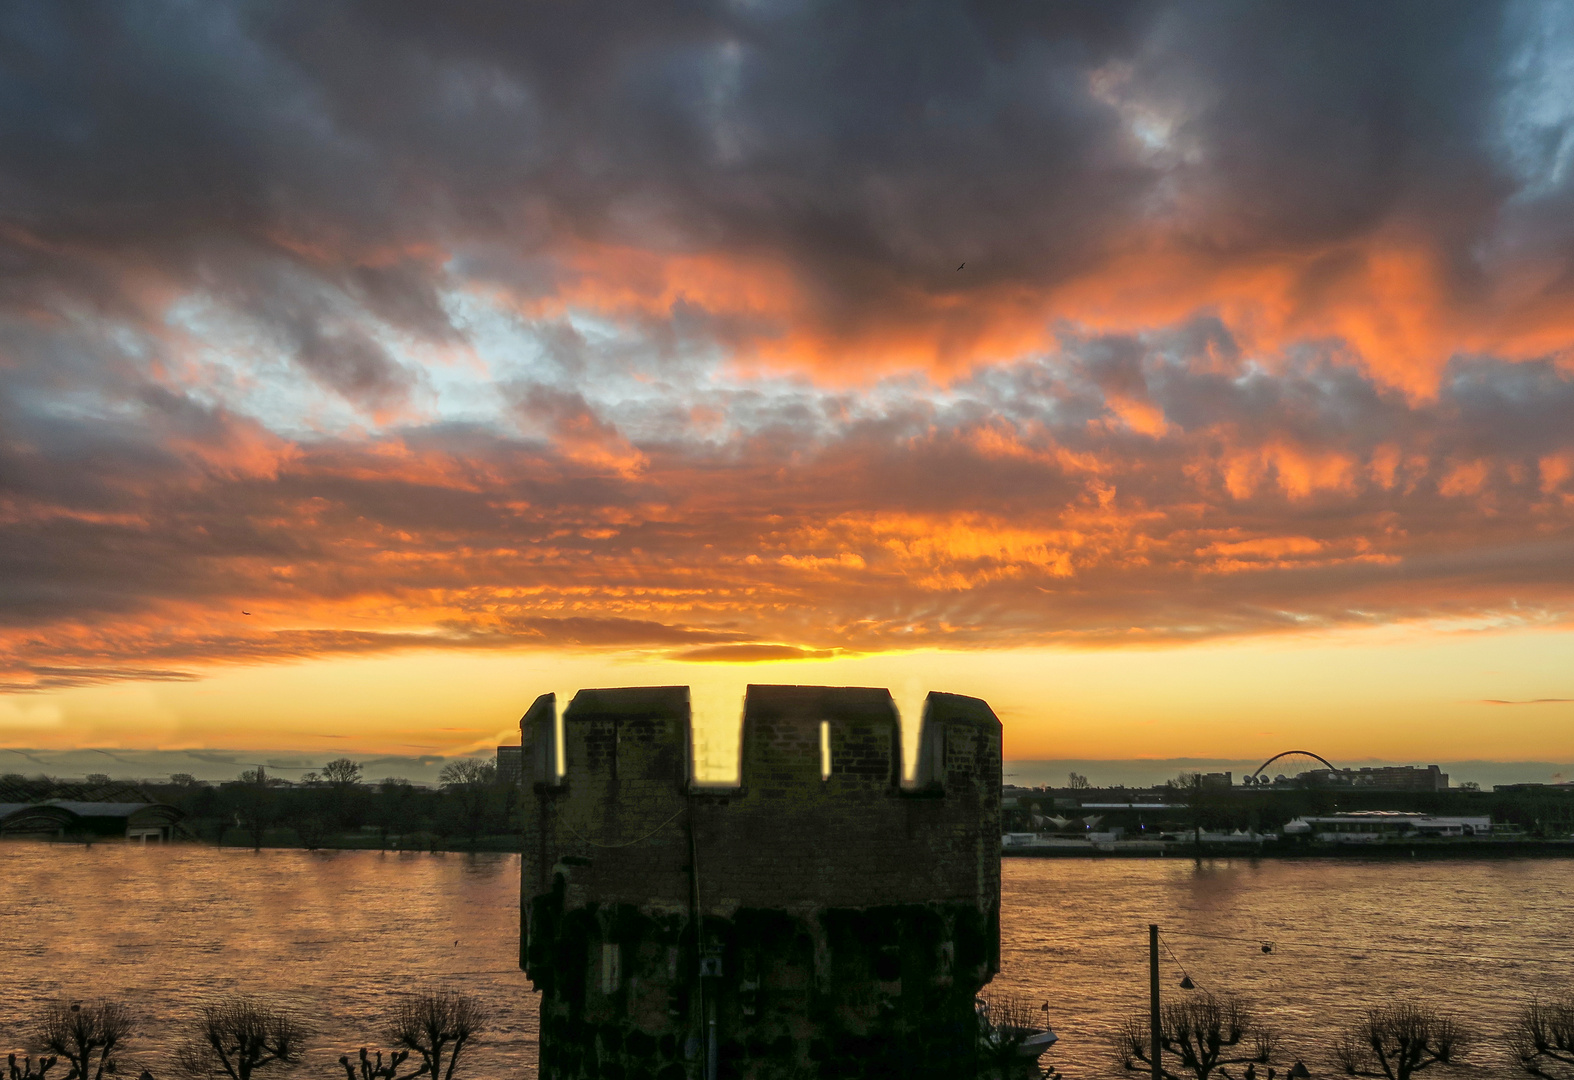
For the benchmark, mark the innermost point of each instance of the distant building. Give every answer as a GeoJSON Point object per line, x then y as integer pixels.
{"type": "Point", "coordinates": [1216, 779]}
{"type": "Point", "coordinates": [1375, 826]}
{"type": "Point", "coordinates": [33, 821]}
{"type": "Point", "coordinates": [1378, 778]}
{"type": "Point", "coordinates": [511, 764]}
{"type": "Point", "coordinates": [1534, 789]}
{"type": "Point", "coordinates": [59, 818]}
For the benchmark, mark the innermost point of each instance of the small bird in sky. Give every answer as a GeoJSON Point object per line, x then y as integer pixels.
{"type": "Point", "coordinates": [245, 613]}
{"type": "Point", "coordinates": [456, 941]}
{"type": "Point", "coordinates": [960, 267]}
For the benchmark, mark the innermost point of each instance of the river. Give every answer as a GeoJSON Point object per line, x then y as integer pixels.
{"type": "Point", "coordinates": [338, 934]}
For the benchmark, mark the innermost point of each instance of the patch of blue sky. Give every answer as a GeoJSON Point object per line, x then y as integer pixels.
{"type": "Point", "coordinates": [651, 381]}
{"type": "Point", "coordinates": [1535, 132]}
{"type": "Point", "coordinates": [228, 361]}
{"type": "Point", "coordinates": [85, 372]}
{"type": "Point", "coordinates": [79, 402]}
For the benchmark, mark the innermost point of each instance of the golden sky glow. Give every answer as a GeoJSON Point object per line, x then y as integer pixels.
{"type": "Point", "coordinates": [1181, 384]}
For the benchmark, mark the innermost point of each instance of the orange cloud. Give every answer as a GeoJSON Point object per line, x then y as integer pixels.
{"type": "Point", "coordinates": [998, 517]}
{"type": "Point", "coordinates": [1384, 302]}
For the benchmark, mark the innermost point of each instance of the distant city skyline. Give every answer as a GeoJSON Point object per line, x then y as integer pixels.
{"type": "Point", "coordinates": [219, 765]}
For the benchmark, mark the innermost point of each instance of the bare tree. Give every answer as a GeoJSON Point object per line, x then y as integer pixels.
{"type": "Point", "coordinates": [308, 812]}
{"type": "Point", "coordinates": [257, 804]}
{"type": "Point", "coordinates": [238, 1036]}
{"type": "Point", "coordinates": [434, 1024]}
{"type": "Point", "coordinates": [343, 777]}
{"type": "Point", "coordinates": [469, 782]}
{"type": "Point", "coordinates": [394, 810]}
{"type": "Point", "coordinates": [1198, 1036]}
{"type": "Point", "coordinates": [85, 1035]}
{"type": "Point", "coordinates": [342, 771]}
{"type": "Point", "coordinates": [26, 1070]}
{"type": "Point", "coordinates": [1399, 1040]}
{"type": "Point", "coordinates": [1542, 1038]}
{"type": "Point", "coordinates": [377, 1070]}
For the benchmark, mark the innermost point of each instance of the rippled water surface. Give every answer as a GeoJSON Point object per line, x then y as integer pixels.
{"type": "Point", "coordinates": [1478, 936]}
{"type": "Point", "coordinates": [338, 934]}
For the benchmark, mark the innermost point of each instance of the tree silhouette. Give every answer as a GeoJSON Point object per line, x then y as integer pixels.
{"type": "Point", "coordinates": [85, 1035]}
{"type": "Point", "coordinates": [238, 1036]}
{"type": "Point", "coordinates": [377, 1070]}
{"type": "Point", "coordinates": [469, 781]}
{"type": "Point", "coordinates": [257, 804]}
{"type": "Point", "coordinates": [1198, 1036]}
{"type": "Point", "coordinates": [27, 1070]}
{"type": "Point", "coordinates": [394, 809]}
{"type": "Point", "coordinates": [308, 812]}
{"type": "Point", "coordinates": [343, 777]}
{"type": "Point", "coordinates": [1399, 1040]}
{"type": "Point", "coordinates": [1542, 1038]}
{"type": "Point", "coordinates": [342, 771]}
{"type": "Point", "coordinates": [434, 1024]}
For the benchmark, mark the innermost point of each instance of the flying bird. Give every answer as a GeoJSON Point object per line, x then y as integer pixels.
{"type": "Point", "coordinates": [960, 267]}
{"type": "Point", "coordinates": [245, 613]}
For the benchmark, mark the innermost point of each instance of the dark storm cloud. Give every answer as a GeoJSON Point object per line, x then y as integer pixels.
{"type": "Point", "coordinates": [873, 147]}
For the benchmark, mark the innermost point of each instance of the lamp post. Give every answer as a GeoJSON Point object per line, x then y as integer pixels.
{"type": "Point", "coordinates": [1153, 1001]}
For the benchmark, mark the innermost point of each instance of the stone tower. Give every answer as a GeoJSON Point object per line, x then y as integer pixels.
{"type": "Point", "coordinates": [820, 919]}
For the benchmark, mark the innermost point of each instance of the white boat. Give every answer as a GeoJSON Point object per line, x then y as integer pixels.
{"type": "Point", "coordinates": [1029, 1041]}
{"type": "Point", "coordinates": [1036, 1043]}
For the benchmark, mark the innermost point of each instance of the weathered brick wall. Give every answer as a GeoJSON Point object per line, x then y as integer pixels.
{"type": "Point", "coordinates": [849, 914]}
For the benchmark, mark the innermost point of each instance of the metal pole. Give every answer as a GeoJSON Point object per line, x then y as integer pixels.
{"type": "Point", "coordinates": [710, 1039]}
{"type": "Point", "coordinates": [1153, 1000]}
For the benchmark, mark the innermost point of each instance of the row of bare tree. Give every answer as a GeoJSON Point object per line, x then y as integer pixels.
{"type": "Point", "coordinates": [240, 1037]}
{"type": "Point", "coordinates": [1206, 1034]}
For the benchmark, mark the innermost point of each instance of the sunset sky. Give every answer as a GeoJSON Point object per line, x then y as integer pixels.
{"type": "Point", "coordinates": [1185, 380]}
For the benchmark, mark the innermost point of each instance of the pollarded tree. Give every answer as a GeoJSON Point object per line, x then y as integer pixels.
{"type": "Point", "coordinates": [87, 1035]}
{"type": "Point", "coordinates": [377, 1069]}
{"type": "Point", "coordinates": [1198, 1036]}
{"type": "Point", "coordinates": [1399, 1040]}
{"type": "Point", "coordinates": [27, 1070]}
{"type": "Point", "coordinates": [437, 1024]}
{"type": "Point", "coordinates": [237, 1037]}
{"type": "Point", "coordinates": [1542, 1038]}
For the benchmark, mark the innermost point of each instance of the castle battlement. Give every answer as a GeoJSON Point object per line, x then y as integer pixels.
{"type": "Point", "coordinates": [834, 740]}
{"type": "Point", "coordinates": [819, 902]}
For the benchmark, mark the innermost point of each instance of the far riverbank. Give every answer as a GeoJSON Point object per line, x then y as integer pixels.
{"type": "Point", "coordinates": [1423, 849]}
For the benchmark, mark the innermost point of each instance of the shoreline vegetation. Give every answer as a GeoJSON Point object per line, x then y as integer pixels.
{"type": "Point", "coordinates": [238, 1036]}
{"type": "Point", "coordinates": [473, 809]}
